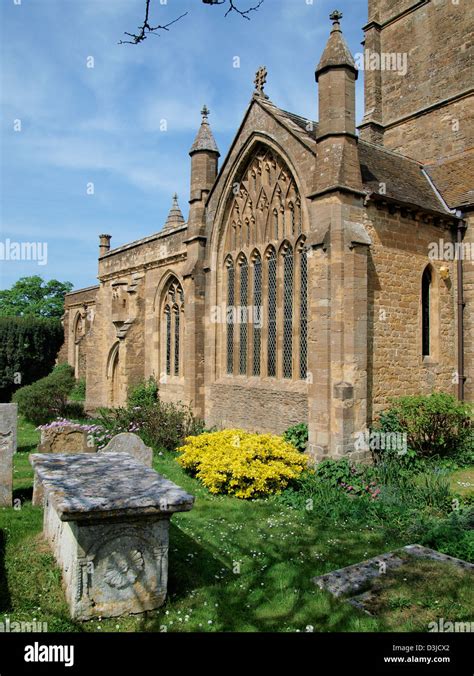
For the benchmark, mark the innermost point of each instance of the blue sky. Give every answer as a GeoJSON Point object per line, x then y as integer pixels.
{"type": "Point", "coordinates": [101, 125]}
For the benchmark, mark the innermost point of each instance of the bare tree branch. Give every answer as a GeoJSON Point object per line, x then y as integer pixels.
{"type": "Point", "coordinates": [233, 7]}
{"type": "Point", "coordinates": [145, 29]}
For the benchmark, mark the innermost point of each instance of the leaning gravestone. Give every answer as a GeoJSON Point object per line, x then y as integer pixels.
{"type": "Point", "coordinates": [107, 521]}
{"type": "Point", "coordinates": [130, 443]}
{"type": "Point", "coordinates": [8, 418]}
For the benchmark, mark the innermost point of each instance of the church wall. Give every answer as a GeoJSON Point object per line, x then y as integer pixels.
{"type": "Point", "coordinates": [252, 403]}
{"type": "Point", "coordinates": [397, 258]}
{"type": "Point", "coordinates": [468, 272]}
{"type": "Point", "coordinates": [436, 44]}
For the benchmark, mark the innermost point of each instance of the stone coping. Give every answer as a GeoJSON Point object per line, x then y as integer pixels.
{"type": "Point", "coordinates": [86, 487]}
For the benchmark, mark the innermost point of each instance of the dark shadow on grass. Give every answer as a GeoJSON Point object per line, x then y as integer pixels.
{"type": "Point", "coordinates": [27, 448]}
{"type": "Point", "coordinates": [5, 600]}
{"type": "Point", "coordinates": [189, 567]}
{"type": "Point", "coordinates": [24, 494]}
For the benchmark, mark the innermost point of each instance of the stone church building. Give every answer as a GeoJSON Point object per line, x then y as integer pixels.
{"type": "Point", "coordinates": [314, 277]}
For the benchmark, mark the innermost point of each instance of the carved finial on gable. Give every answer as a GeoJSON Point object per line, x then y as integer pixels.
{"type": "Point", "coordinates": [260, 81]}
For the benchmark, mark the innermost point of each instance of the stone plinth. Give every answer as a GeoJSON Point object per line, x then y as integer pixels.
{"type": "Point", "coordinates": [8, 423]}
{"type": "Point", "coordinates": [127, 442]}
{"type": "Point", "coordinates": [107, 520]}
{"type": "Point", "coordinates": [67, 438]}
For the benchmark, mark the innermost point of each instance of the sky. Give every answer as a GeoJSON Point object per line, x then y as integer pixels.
{"type": "Point", "coordinates": [95, 135]}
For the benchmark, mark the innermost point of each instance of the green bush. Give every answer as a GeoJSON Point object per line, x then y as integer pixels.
{"type": "Point", "coordinates": [160, 424]}
{"type": "Point", "coordinates": [47, 398]}
{"type": "Point", "coordinates": [144, 394]}
{"type": "Point", "coordinates": [436, 424]}
{"type": "Point", "coordinates": [28, 350]}
{"type": "Point", "coordinates": [78, 392]}
{"type": "Point", "coordinates": [298, 436]}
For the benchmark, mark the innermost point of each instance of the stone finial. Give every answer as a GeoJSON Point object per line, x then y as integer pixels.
{"type": "Point", "coordinates": [104, 244]}
{"type": "Point", "coordinates": [175, 216]}
{"type": "Point", "coordinates": [204, 140]}
{"type": "Point", "coordinates": [336, 53]}
{"type": "Point", "coordinates": [260, 81]}
{"type": "Point", "coordinates": [335, 17]}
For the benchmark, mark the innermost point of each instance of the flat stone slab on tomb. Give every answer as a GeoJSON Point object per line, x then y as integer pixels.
{"type": "Point", "coordinates": [98, 486]}
{"type": "Point", "coordinates": [128, 442]}
{"type": "Point", "coordinates": [353, 579]}
{"type": "Point", "coordinates": [106, 518]}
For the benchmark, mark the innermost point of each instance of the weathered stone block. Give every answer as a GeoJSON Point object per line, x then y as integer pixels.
{"type": "Point", "coordinates": [8, 425]}
{"type": "Point", "coordinates": [130, 443]}
{"type": "Point", "coordinates": [66, 438]}
{"type": "Point", "coordinates": [107, 520]}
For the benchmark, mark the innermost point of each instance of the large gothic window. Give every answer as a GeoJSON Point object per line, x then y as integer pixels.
{"type": "Point", "coordinates": [172, 309]}
{"type": "Point", "coordinates": [264, 276]}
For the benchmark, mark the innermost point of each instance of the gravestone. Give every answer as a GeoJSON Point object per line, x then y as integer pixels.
{"type": "Point", "coordinates": [107, 520]}
{"type": "Point", "coordinates": [127, 442]}
{"type": "Point", "coordinates": [8, 423]}
{"type": "Point", "coordinates": [66, 438]}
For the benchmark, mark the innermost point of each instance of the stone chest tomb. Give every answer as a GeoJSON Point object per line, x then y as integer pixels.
{"type": "Point", "coordinates": [106, 518]}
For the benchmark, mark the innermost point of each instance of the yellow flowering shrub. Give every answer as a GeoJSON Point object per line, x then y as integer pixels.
{"type": "Point", "coordinates": [239, 463]}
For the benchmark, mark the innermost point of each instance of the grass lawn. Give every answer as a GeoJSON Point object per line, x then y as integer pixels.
{"type": "Point", "coordinates": [234, 565]}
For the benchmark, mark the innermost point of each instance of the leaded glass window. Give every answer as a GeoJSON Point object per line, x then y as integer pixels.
{"type": "Point", "coordinates": [288, 313]}
{"type": "Point", "coordinates": [257, 318]}
{"type": "Point", "coordinates": [229, 318]}
{"type": "Point", "coordinates": [176, 341]}
{"type": "Point", "coordinates": [168, 340]}
{"type": "Point", "coordinates": [425, 312]}
{"type": "Point", "coordinates": [243, 317]}
{"type": "Point", "coordinates": [303, 313]}
{"type": "Point", "coordinates": [272, 314]}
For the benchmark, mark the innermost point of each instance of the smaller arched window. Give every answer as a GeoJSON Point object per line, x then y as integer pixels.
{"type": "Point", "coordinates": [426, 312]}
{"type": "Point", "coordinates": [173, 306]}
{"type": "Point", "coordinates": [272, 313]}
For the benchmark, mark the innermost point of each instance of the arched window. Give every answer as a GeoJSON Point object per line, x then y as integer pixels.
{"type": "Point", "coordinates": [257, 314]}
{"type": "Point", "coordinates": [426, 312]}
{"type": "Point", "coordinates": [230, 316]}
{"type": "Point", "coordinates": [288, 311]}
{"type": "Point", "coordinates": [173, 307]}
{"type": "Point", "coordinates": [272, 314]}
{"type": "Point", "coordinates": [267, 291]}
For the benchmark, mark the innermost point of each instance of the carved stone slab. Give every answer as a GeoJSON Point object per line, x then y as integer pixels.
{"type": "Point", "coordinates": [128, 442]}
{"type": "Point", "coordinates": [66, 439]}
{"type": "Point", "coordinates": [8, 425]}
{"type": "Point", "coordinates": [107, 520]}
